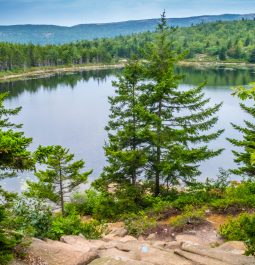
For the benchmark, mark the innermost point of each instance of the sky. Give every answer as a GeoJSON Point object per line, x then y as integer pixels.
{"type": "Point", "coordinates": [72, 12]}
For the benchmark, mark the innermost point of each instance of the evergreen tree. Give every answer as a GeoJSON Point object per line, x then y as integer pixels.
{"type": "Point", "coordinates": [252, 56]}
{"type": "Point", "coordinates": [244, 157]}
{"type": "Point", "coordinates": [178, 120]}
{"type": "Point", "coordinates": [14, 156]}
{"type": "Point", "coordinates": [60, 177]}
{"type": "Point", "coordinates": [125, 152]}
{"type": "Point", "coordinates": [222, 54]}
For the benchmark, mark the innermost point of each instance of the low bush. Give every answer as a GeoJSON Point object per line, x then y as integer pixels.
{"type": "Point", "coordinates": [8, 239]}
{"type": "Point", "coordinates": [137, 224]}
{"type": "Point", "coordinates": [84, 203]}
{"type": "Point", "coordinates": [238, 196]}
{"type": "Point", "coordinates": [241, 228]}
{"type": "Point", "coordinates": [31, 217]}
{"type": "Point", "coordinates": [72, 225]}
{"type": "Point", "coordinates": [190, 215]}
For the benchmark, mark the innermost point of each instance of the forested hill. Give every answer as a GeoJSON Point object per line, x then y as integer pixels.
{"type": "Point", "coordinates": [232, 41]}
{"type": "Point", "coordinates": [50, 34]}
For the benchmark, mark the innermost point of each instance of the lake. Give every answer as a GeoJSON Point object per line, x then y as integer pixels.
{"type": "Point", "coordinates": [72, 110]}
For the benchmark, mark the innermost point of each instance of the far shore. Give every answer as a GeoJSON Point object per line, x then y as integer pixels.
{"type": "Point", "coordinates": [47, 71]}
{"type": "Point", "coordinates": [44, 72]}
{"type": "Point", "coordinates": [210, 64]}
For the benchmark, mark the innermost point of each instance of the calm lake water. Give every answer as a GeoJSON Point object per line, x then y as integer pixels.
{"type": "Point", "coordinates": [72, 110]}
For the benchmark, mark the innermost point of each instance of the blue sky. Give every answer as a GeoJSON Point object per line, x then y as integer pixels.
{"type": "Point", "coordinates": [71, 12]}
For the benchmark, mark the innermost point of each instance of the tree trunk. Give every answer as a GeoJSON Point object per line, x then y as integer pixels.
{"type": "Point", "coordinates": [158, 158]}
{"type": "Point", "coordinates": [61, 193]}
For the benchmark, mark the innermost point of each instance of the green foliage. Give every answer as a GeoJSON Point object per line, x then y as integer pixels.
{"type": "Point", "coordinates": [252, 56]}
{"type": "Point", "coordinates": [112, 206]}
{"type": "Point", "coordinates": [72, 225]}
{"type": "Point", "coordinates": [60, 177]}
{"type": "Point", "coordinates": [244, 157]}
{"type": "Point", "coordinates": [8, 239]}
{"type": "Point", "coordinates": [238, 196]}
{"type": "Point", "coordinates": [190, 215]}
{"type": "Point", "coordinates": [126, 129]}
{"type": "Point", "coordinates": [137, 224]}
{"type": "Point", "coordinates": [84, 202]}
{"type": "Point", "coordinates": [14, 156]}
{"type": "Point", "coordinates": [31, 217]}
{"type": "Point", "coordinates": [13, 144]}
{"type": "Point", "coordinates": [219, 41]}
{"type": "Point", "coordinates": [241, 228]}
{"type": "Point", "coordinates": [155, 127]}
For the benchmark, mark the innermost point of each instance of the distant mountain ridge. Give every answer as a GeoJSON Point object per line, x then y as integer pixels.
{"type": "Point", "coordinates": [51, 34]}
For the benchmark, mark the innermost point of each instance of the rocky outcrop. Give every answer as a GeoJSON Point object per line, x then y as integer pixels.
{"type": "Point", "coordinates": [210, 256]}
{"type": "Point", "coordinates": [235, 247]}
{"type": "Point", "coordinates": [111, 261]}
{"type": "Point", "coordinates": [58, 253]}
{"type": "Point", "coordinates": [127, 250]}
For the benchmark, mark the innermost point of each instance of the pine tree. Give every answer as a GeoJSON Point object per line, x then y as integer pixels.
{"type": "Point", "coordinates": [244, 157]}
{"type": "Point", "coordinates": [179, 120]}
{"type": "Point", "coordinates": [60, 177]}
{"type": "Point", "coordinates": [14, 157]}
{"type": "Point", "coordinates": [126, 130]}
{"type": "Point", "coordinates": [252, 57]}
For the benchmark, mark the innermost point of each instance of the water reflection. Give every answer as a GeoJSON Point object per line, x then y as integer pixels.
{"type": "Point", "coordinates": [72, 110]}
{"type": "Point", "coordinates": [16, 88]}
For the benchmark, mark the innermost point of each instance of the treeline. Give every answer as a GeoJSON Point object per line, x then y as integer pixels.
{"type": "Point", "coordinates": [222, 41]}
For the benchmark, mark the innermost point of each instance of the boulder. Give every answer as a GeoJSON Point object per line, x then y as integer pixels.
{"type": "Point", "coordinates": [166, 245]}
{"type": "Point", "coordinates": [158, 256]}
{"type": "Point", "coordinates": [111, 237]}
{"type": "Point", "coordinates": [127, 239]}
{"type": "Point", "coordinates": [143, 253]}
{"type": "Point", "coordinates": [202, 237]}
{"type": "Point", "coordinates": [120, 232]}
{"type": "Point", "coordinates": [198, 259]}
{"type": "Point", "coordinates": [235, 247]}
{"type": "Point", "coordinates": [82, 243]}
{"type": "Point", "coordinates": [59, 253]}
{"type": "Point", "coordinates": [111, 261]}
{"type": "Point", "coordinates": [218, 254]}
{"type": "Point", "coordinates": [115, 254]}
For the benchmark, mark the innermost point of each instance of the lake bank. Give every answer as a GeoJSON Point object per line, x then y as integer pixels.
{"type": "Point", "coordinates": [211, 65]}
{"type": "Point", "coordinates": [48, 71]}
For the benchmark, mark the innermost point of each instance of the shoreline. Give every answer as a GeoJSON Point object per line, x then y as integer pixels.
{"type": "Point", "coordinates": [207, 64]}
{"type": "Point", "coordinates": [41, 72]}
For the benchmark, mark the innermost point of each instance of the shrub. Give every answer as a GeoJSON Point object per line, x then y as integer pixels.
{"type": "Point", "coordinates": [137, 224]}
{"type": "Point", "coordinates": [193, 199]}
{"type": "Point", "coordinates": [84, 203]}
{"type": "Point", "coordinates": [189, 216]}
{"type": "Point", "coordinates": [237, 195]}
{"type": "Point", "coordinates": [8, 240]}
{"type": "Point", "coordinates": [72, 225]}
{"type": "Point", "coordinates": [126, 199]}
{"type": "Point", "coordinates": [31, 217]}
{"type": "Point", "coordinates": [241, 228]}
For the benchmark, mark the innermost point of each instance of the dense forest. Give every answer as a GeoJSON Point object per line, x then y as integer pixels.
{"type": "Point", "coordinates": [51, 34]}
{"type": "Point", "coordinates": [220, 41]}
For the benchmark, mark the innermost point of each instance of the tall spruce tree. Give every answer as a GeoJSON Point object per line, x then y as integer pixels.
{"type": "Point", "coordinates": [126, 129]}
{"type": "Point", "coordinates": [178, 120]}
{"type": "Point", "coordinates": [61, 176]}
{"type": "Point", "coordinates": [244, 157]}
